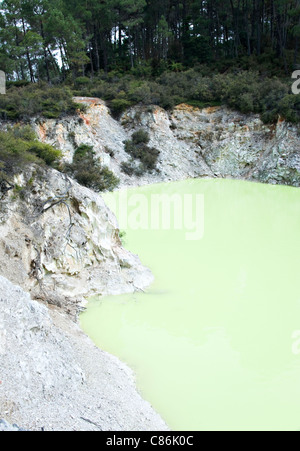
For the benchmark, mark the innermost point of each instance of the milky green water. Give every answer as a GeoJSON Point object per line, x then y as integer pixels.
{"type": "Point", "coordinates": [213, 341]}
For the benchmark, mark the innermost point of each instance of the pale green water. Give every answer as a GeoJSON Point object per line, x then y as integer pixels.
{"type": "Point", "coordinates": [211, 340]}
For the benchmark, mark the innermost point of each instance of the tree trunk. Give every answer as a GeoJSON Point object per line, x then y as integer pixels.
{"type": "Point", "coordinates": [45, 52]}
{"type": "Point", "coordinates": [28, 56]}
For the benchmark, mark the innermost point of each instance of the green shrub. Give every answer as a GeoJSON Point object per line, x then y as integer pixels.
{"type": "Point", "coordinates": [25, 132]}
{"type": "Point", "coordinates": [87, 170]}
{"type": "Point", "coordinates": [81, 81]}
{"type": "Point", "coordinates": [127, 167]}
{"type": "Point", "coordinates": [19, 147]}
{"type": "Point", "coordinates": [140, 137]}
{"type": "Point", "coordinates": [51, 114]}
{"type": "Point", "coordinates": [132, 167]}
{"type": "Point", "coordinates": [118, 106]}
{"type": "Point", "coordinates": [38, 99]}
{"type": "Point", "coordinates": [45, 152]}
{"type": "Point", "coordinates": [83, 152]}
{"type": "Point", "coordinates": [289, 107]}
{"type": "Point", "coordinates": [138, 149]}
{"type": "Point", "coordinates": [17, 84]}
{"type": "Point", "coordinates": [246, 103]}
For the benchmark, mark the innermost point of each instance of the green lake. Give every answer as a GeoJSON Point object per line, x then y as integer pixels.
{"type": "Point", "coordinates": [215, 340]}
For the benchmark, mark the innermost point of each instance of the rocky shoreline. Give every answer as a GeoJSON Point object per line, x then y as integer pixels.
{"type": "Point", "coordinates": [60, 244]}
{"type": "Point", "coordinates": [53, 378]}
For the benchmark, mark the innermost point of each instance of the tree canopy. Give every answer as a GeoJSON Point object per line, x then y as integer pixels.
{"type": "Point", "coordinates": [52, 39]}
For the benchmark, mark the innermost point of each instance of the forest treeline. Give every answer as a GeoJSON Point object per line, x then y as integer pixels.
{"type": "Point", "coordinates": [240, 53]}
{"type": "Point", "coordinates": [49, 39]}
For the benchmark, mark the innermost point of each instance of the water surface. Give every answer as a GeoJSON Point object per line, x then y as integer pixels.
{"type": "Point", "coordinates": [211, 341]}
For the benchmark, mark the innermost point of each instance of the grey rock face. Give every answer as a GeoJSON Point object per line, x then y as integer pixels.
{"type": "Point", "coordinates": [61, 243]}
{"type": "Point", "coordinates": [72, 250]}
{"type": "Point", "coordinates": [54, 378]}
{"type": "Point", "coordinates": [212, 142]}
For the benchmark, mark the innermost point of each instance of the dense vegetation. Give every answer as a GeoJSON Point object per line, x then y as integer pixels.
{"type": "Point", "coordinates": [240, 53]}
{"type": "Point", "coordinates": [204, 52]}
{"type": "Point", "coordinates": [243, 90]}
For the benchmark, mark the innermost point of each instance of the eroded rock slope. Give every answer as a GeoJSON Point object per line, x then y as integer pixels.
{"type": "Point", "coordinates": [60, 242]}
{"type": "Point", "coordinates": [53, 378]}
{"type": "Point", "coordinates": [210, 142]}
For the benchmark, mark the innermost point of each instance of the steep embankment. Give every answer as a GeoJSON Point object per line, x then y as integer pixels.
{"type": "Point", "coordinates": [54, 378]}
{"type": "Point", "coordinates": [60, 243]}
{"type": "Point", "coordinates": [212, 142]}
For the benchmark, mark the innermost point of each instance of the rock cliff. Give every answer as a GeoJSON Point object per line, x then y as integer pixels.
{"type": "Point", "coordinates": [60, 242]}
{"type": "Point", "coordinates": [210, 142]}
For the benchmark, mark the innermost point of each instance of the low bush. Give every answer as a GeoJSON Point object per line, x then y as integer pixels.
{"type": "Point", "coordinates": [38, 99]}
{"type": "Point", "coordinates": [118, 106]}
{"type": "Point", "coordinates": [82, 81]}
{"type": "Point", "coordinates": [140, 137]}
{"type": "Point", "coordinates": [87, 170]}
{"type": "Point", "coordinates": [19, 147]}
{"type": "Point", "coordinates": [132, 167]}
{"type": "Point", "coordinates": [138, 149]}
{"type": "Point", "coordinates": [45, 152]}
